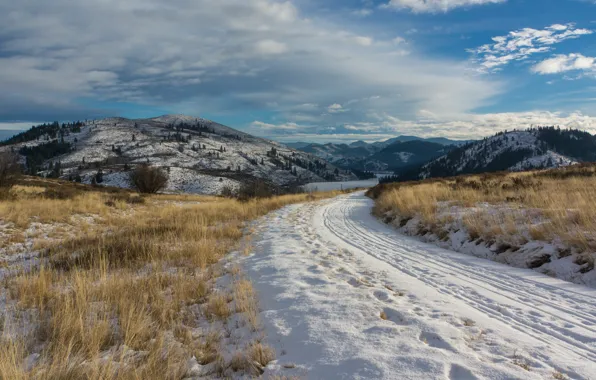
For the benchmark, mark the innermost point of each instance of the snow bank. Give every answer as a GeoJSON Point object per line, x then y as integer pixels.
{"type": "Point", "coordinates": [517, 248]}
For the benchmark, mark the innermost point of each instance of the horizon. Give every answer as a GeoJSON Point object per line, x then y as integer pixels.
{"type": "Point", "coordinates": [6, 132]}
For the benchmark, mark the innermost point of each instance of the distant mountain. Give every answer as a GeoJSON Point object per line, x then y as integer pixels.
{"type": "Point", "coordinates": [5, 134]}
{"type": "Point", "coordinates": [538, 148]}
{"type": "Point", "coordinates": [408, 153]}
{"type": "Point", "coordinates": [379, 156]}
{"type": "Point", "coordinates": [201, 156]}
{"type": "Point", "coordinates": [297, 145]}
{"type": "Point", "coordinates": [436, 140]}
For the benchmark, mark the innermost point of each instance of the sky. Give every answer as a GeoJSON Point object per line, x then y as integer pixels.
{"type": "Point", "coordinates": [304, 70]}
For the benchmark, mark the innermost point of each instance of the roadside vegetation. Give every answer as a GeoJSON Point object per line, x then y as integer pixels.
{"type": "Point", "coordinates": [502, 211]}
{"type": "Point", "coordinates": [102, 283]}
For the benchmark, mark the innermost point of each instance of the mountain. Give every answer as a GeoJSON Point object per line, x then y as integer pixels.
{"type": "Point", "coordinates": [362, 156]}
{"type": "Point", "coordinates": [5, 134]}
{"type": "Point", "coordinates": [436, 140]}
{"type": "Point", "coordinates": [382, 155]}
{"type": "Point", "coordinates": [200, 155]}
{"type": "Point", "coordinates": [537, 148]}
{"type": "Point", "coordinates": [408, 153]}
{"type": "Point", "coordinates": [297, 145]}
{"type": "Point", "coordinates": [343, 155]}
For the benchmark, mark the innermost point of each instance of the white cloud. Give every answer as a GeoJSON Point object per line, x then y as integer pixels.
{"type": "Point", "coordinates": [335, 108]}
{"type": "Point", "coordinates": [434, 6]}
{"type": "Point", "coordinates": [467, 126]}
{"type": "Point", "coordinates": [364, 41]}
{"type": "Point", "coordinates": [259, 125]}
{"type": "Point", "coordinates": [229, 57]}
{"type": "Point", "coordinates": [271, 47]}
{"type": "Point", "coordinates": [520, 44]}
{"type": "Point", "coordinates": [425, 124]}
{"type": "Point", "coordinates": [16, 126]}
{"type": "Point", "coordinates": [562, 63]}
{"type": "Point", "coordinates": [399, 40]}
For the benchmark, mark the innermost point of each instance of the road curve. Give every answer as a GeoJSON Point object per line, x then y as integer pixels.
{"type": "Point", "coordinates": [337, 253]}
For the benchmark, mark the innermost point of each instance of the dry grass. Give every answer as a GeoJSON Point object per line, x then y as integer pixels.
{"type": "Point", "coordinates": [129, 296]}
{"type": "Point", "coordinates": [558, 204]}
{"type": "Point", "coordinates": [559, 376]}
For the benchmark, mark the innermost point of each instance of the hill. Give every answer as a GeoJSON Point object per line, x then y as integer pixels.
{"type": "Point", "coordinates": [200, 155]}
{"type": "Point", "coordinates": [402, 154]}
{"type": "Point", "coordinates": [537, 148]}
{"type": "Point", "coordinates": [391, 154]}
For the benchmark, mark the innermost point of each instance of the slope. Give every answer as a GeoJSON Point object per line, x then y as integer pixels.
{"type": "Point", "coordinates": [538, 148]}
{"type": "Point", "coordinates": [200, 155]}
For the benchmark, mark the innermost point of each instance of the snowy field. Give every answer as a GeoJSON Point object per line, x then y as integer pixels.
{"type": "Point", "coordinates": [329, 186]}
{"type": "Point", "coordinates": [344, 296]}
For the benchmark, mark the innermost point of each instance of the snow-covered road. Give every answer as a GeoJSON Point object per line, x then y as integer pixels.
{"type": "Point", "coordinates": [344, 296]}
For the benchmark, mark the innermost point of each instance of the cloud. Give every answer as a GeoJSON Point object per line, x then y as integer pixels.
{"type": "Point", "coordinates": [259, 125]}
{"type": "Point", "coordinates": [563, 63]}
{"type": "Point", "coordinates": [435, 6]}
{"type": "Point", "coordinates": [364, 41]}
{"type": "Point", "coordinates": [520, 44]}
{"type": "Point", "coordinates": [428, 124]}
{"type": "Point", "coordinates": [62, 60]}
{"type": "Point", "coordinates": [399, 40]}
{"type": "Point", "coordinates": [271, 47]}
{"type": "Point", "coordinates": [335, 108]}
{"type": "Point", "coordinates": [16, 126]}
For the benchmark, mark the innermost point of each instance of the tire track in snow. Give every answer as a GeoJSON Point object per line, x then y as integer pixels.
{"type": "Point", "coordinates": [346, 219]}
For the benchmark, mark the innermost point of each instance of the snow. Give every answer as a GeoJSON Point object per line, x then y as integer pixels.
{"type": "Point", "coordinates": [548, 160]}
{"type": "Point", "coordinates": [516, 248]}
{"type": "Point", "coordinates": [326, 271]}
{"type": "Point", "coordinates": [330, 186]}
{"type": "Point", "coordinates": [404, 156]}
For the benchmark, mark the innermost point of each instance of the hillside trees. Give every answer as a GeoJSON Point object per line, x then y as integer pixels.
{"type": "Point", "coordinates": [10, 169]}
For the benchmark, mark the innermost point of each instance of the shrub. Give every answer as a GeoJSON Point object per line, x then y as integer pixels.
{"type": "Point", "coordinates": [148, 179]}
{"type": "Point", "coordinates": [10, 170]}
{"type": "Point", "coordinates": [256, 189]}
{"type": "Point", "coordinates": [227, 192]}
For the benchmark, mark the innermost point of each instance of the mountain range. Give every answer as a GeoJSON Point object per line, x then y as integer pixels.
{"type": "Point", "coordinates": [200, 155]}
{"type": "Point", "coordinates": [536, 148]}
{"type": "Point", "coordinates": [388, 155]}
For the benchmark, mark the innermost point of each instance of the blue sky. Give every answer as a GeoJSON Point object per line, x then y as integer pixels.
{"type": "Point", "coordinates": [304, 69]}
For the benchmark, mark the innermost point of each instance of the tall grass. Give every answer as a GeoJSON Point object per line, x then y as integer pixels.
{"type": "Point", "coordinates": [558, 204]}
{"type": "Point", "coordinates": [130, 299]}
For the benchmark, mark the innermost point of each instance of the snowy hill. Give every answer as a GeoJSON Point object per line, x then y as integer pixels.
{"type": "Point", "coordinates": [200, 155]}
{"type": "Point", "coordinates": [539, 148]}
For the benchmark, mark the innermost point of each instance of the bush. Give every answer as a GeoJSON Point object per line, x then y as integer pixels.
{"type": "Point", "coordinates": [10, 169]}
{"type": "Point", "coordinates": [256, 189]}
{"type": "Point", "coordinates": [227, 192]}
{"type": "Point", "coordinates": [148, 179]}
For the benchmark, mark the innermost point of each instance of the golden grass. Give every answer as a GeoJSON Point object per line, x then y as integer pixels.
{"type": "Point", "coordinates": [546, 206]}
{"type": "Point", "coordinates": [124, 296]}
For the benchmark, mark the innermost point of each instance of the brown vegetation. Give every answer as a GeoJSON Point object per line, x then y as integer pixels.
{"type": "Point", "coordinates": [10, 169]}
{"type": "Point", "coordinates": [552, 204]}
{"type": "Point", "coordinates": [148, 179]}
{"type": "Point", "coordinates": [130, 293]}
